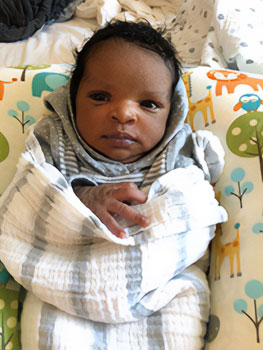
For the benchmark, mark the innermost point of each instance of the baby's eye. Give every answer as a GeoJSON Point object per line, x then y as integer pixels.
{"type": "Point", "coordinates": [149, 104]}
{"type": "Point", "coordinates": [99, 96]}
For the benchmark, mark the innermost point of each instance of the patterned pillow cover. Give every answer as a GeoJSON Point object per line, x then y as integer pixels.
{"type": "Point", "coordinates": [229, 103]}
{"type": "Point", "coordinates": [21, 93]}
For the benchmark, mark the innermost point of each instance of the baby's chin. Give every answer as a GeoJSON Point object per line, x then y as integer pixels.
{"type": "Point", "coordinates": [125, 159]}
{"type": "Point", "coordinates": [122, 156]}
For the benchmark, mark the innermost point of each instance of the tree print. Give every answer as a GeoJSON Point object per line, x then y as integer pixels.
{"type": "Point", "coordinates": [4, 147]}
{"type": "Point", "coordinates": [9, 310]}
{"type": "Point", "coordinates": [245, 137]}
{"type": "Point", "coordinates": [9, 315]}
{"type": "Point", "coordinates": [30, 67]}
{"type": "Point", "coordinates": [4, 343]}
{"type": "Point", "coordinates": [25, 119]}
{"type": "Point", "coordinates": [254, 290]}
{"type": "Point", "coordinates": [237, 175]}
{"type": "Point", "coordinates": [257, 228]}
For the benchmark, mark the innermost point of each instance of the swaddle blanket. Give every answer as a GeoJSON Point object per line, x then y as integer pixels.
{"type": "Point", "coordinates": [137, 289]}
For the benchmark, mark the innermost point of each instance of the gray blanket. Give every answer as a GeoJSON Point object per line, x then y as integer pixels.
{"type": "Point", "coordinates": [19, 19]}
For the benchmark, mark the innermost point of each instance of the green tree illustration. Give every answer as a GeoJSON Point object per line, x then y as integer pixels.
{"type": "Point", "coordinates": [254, 290]}
{"type": "Point", "coordinates": [4, 147]}
{"type": "Point", "coordinates": [4, 343]}
{"type": "Point", "coordinates": [25, 119]}
{"type": "Point", "coordinates": [245, 137]}
{"type": "Point", "coordinates": [237, 175]}
{"type": "Point", "coordinates": [30, 67]}
{"type": "Point", "coordinates": [10, 311]}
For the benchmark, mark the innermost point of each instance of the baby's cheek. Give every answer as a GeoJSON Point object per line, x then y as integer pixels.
{"type": "Point", "coordinates": [153, 136]}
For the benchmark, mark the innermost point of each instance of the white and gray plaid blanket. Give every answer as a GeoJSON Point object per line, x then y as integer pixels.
{"type": "Point", "coordinates": [89, 289]}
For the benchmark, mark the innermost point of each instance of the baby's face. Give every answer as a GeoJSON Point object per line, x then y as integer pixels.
{"type": "Point", "coordinates": [123, 100]}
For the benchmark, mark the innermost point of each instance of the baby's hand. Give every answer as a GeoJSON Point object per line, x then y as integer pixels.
{"type": "Point", "coordinates": [108, 200]}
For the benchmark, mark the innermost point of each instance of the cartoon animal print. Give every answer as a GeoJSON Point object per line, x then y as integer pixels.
{"type": "Point", "coordinates": [47, 81]}
{"type": "Point", "coordinates": [230, 250]}
{"type": "Point", "coordinates": [249, 102]}
{"type": "Point", "coordinates": [204, 105]}
{"type": "Point", "coordinates": [231, 79]}
{"type": "Point", "coordinates": [2, 87]}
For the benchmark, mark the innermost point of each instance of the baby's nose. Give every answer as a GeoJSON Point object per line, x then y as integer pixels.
{"type": "Point", "coordinates": [125, 112]}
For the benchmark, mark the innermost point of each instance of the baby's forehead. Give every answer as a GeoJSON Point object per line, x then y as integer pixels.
{"type": "Point", "coordinates": [117, 54]}
{"type": "Point", "coordinates": [122, 47]}
{"type": "Point", "coordinates": [112, 42]}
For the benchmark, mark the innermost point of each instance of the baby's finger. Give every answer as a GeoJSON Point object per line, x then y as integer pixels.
{"type": "Point", "coordinates": [128, 191]}
{"type": "Point", "coordinates": [130, 213]}
{"type": "Point", "coordinates": [109, 221]}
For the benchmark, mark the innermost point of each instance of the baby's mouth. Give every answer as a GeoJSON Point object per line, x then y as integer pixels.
{"type": "Point", "coordinates": [119, 139]}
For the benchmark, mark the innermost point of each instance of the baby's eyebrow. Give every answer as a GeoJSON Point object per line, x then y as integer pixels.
{"type": "Point", "coordinates": [96, 84]}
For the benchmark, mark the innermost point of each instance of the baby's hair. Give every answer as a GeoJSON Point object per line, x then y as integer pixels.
{"type": "Point", "coordinates": [140, 33]}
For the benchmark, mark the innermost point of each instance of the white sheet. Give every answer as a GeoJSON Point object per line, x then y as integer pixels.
{"type": "Point", "coordinates": [54, 43]}
{"type": "Point", "coordinates": [205, 32]}
{"type": "Point", "coordinates": [51, 44]}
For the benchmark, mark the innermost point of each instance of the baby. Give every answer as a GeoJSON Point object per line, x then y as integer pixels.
{"type": "Point", "coordinates": [117, 136]}
{"type": "Point", "coordinates": [125, 112]}
{"type": "Point", "coordinates": [122, 92]}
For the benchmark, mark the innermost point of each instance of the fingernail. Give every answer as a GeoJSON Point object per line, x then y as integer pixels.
{"type": "Point", "coordinates": [147, 221]}
{"type": "Point", "coordinates": [122, 234]}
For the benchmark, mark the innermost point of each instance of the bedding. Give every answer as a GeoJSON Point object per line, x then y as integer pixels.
{"type": "Point", "coordinates": [204, 32]}
{"type": "Point", "coordinates": [21, 90]}
{"type": "Point", "coordinates": [234, 40]}
{"type": "Point", "coordinates": [229, 103]}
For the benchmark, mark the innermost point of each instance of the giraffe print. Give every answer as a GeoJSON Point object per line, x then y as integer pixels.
{"type": "Point", "coordinates": [204, 105]}
{"type": "Point", "coordinates": [230, 250]}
